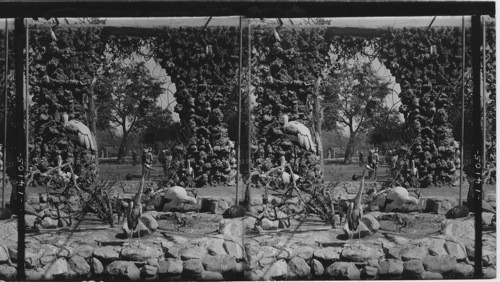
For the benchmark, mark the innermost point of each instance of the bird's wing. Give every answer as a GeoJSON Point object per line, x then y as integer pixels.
{"type": "Point", "coordinates": [82, 134]}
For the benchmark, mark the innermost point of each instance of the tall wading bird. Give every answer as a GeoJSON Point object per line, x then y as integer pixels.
{"type": "Point", "coordinates": [355, 209]}
{"type": "Point", "coordinates": [299, 135]}
{"type": "Point", "coordinates": [79, 133]}
{"type": "Point", "coordinates": [134, 212]}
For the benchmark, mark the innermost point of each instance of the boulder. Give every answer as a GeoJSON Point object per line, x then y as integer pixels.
{"type": "Point", "coordinates": [426, 275]}
{"type": "Point", "coordinates": [55, 269]}
{"type": "Point", "coordinates": [456, 249]}
{"type": "Point", "coordinates": [232, 227]}
{"type": "Point", "coordinates": [234, 249]}
{"type": "Point", "coordinates": [79, 265]}
{"type": "Point", "coordinates": [328, 254]}
{"type": "Point", "coordinates": [139, 252]}
{"type": "Point", "coordinates": [369, 272]}
{"type": "Point", "coordinates": [215, 246]}
{"type": "Point", "coordinates": [211, 276]}
{"type": "Point", "coordinates": [413, 269]}
{"type": "Point", "coordinates": [170, 266]}
{"type": "Point", "coordinates": [107, 253]}
{"type": "Point", "coordinates": [192, 267]}
{"type": "Point", "coordinates": [412, 252]}
{"type": "Point", "coordinates": [285, 253]}
{"type": "Point", "coordinates": [462, 271]}
{"type": "Point", "coordinates": [298, 268]}
{"type": "Point", "coordinates": [343, 271]}
{"type": "Point", "coordinates": [124, 270]}
{"type": "Point", "coordinates": [360, 254]}
{"type": "Point", "coordinates": [193, 252]}
{"type": "Point", "coordinates": [441, 264]}
{"type": "Point", "coordinates": [34, 274]}
{"type": "Point", "coordinates": [436, 247]}
{"type": "Point", "coordinates": [277, 270]}
{"type": "Point", "coordinates": [96, 266]}
{"type": "Point", "coordinates": [7, 272]}
{"type": "Point", "coordinates": [173, 251]}
{"type": "Point", "coordinates": [304, 252]}
{"type": "Point", "coordinates": [390, 268]}
{"type": "Point", "coordinates": [84, 251]}
{"type": "Point", "coordinates": [148, 271]}
{"type": "Point", "coordinates": [219, 263]}
{"type": "Point", "coordinates": [4, 253]}
{"type": "Point", "coordinates": [317, 268]}
{"type": "Point", "coordinates": [489, 273]}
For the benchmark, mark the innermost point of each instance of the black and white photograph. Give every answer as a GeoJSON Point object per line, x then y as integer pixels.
{"type": "Point", "coordinates": [179, 141]}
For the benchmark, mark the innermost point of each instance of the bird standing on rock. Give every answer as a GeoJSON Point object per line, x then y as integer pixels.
{"type": "Point", "coordinates": [298, 134]}
{"type": "Point", "coordinates": [79, 133]}
{"type": "Point", "coordinates": [355, 209]}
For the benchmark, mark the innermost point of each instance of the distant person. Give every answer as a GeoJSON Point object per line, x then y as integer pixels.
{"type": "Point", "coordinates": [134, 158]}
{"type": "Point", "coordinates": [361, 158]}
{"type": "Point", "coordinates": [375, 162]}
{"type": "Point", "coordinates": [147, 162]}
{"type": "Point", "coordinates": [162, 158]}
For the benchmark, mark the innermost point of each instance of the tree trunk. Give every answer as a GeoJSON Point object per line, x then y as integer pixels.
{"type": "Point", "coordinates": [121, 150]}
{"type": "Point", "coordinates": [348, 150]}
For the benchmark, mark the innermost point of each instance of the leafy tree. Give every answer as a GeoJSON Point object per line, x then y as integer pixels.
{"type": "Point", "coordinates": [354, 96]}
{"type": "Point", "coordinates": [158, 126]}
{"type": "Point", "coordinates": [126, 96]}
{"type": "Point", "coordinates": [386, 130]}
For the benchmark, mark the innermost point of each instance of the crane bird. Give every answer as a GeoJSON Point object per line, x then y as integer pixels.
{"type": "Point", "coordinates": [298, 134]}
{"type": "Point", "coordinates": [396, 198]}
{"type": "Point", "coordinates": [175, 197]}
{"type": "Point", "coordinates": [355, 209]}
{"type": "Point", "coordinates": [134, 212]}
{"type": "Point", "coordinates": [79, 133]}
{"type": "Point", "coordinates": [189, 174]}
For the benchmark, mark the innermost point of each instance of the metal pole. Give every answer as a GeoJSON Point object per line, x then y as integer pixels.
{"type": "Point", "coordinates": [477, 142]}
{"type": "Point", "coordinates": [4, 148]}
{"type": "Point", "coordinates": [483, 81]}
{"type": "Point", "coordinates": [27, 98]}
{"type": "Point", "coordinates": [20, 145]}
{"type": "Point", "coordinates": [238, 155]}
{"type": "Point", "coordinates": [249, 102]}
{"type": "Point", "coordinates": [463, 114]}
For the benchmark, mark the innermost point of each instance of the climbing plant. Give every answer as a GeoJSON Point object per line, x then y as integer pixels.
{"type": "Point", "coordinates": [63, 68]}
{"type": "Point", "coordinates": [203, 64]}
{"type": "Point", "coordinates": [427, 64]}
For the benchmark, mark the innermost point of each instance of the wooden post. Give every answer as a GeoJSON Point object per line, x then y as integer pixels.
{"type": "Point", "coordinates": [6, 106]}
{"type": "Point", "coordinates": [477, 142]}
{"type": "Point", "coordinates": [238, 153]}
{"type": "Point", "coordinates": [318, 121]}
{"type": "Point", "coordinates": [19, 150]}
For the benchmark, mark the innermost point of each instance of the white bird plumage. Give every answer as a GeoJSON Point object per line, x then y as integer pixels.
{"type": "Point", "coordinates": [80, 133]}
{"type": "Point", "coordinates": [397, 197]}
{"type": "Point", "coordinates": [175, 197]}
{"type": "Point", "coordinates": [298, 134]}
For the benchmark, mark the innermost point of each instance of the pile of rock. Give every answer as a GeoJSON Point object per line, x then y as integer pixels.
{"type": "Point", "coordinates": [427, 258]}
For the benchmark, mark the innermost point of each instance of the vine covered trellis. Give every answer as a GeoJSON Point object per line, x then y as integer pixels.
{"type": "Point", "coordinates": [287, 66]}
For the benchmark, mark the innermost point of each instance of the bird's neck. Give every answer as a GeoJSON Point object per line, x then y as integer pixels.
{"type": "Point", "coordinates": [357, 200]}
{"type": "Point", "coordinates": [137, 198]}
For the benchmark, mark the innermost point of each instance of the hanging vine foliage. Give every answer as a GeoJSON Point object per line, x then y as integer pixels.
{"type": "Point", "coordinates": [427, 64]}
{"type": "Point", "coordinates": [203, 64]}
{"type": "Point", "coordinates": [62, 71]}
